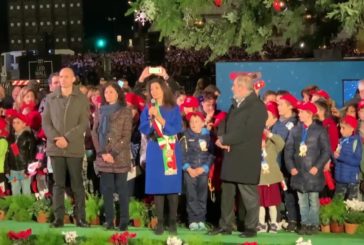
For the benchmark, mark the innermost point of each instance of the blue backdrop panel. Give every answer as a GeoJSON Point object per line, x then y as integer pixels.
{"type": "Point", "coordinates": [292, 76]}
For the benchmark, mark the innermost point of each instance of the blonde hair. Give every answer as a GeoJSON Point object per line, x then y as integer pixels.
{"type": "Point", "coordinates": [20, 98]}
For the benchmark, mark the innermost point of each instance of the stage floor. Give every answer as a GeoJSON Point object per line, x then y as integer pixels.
{"type": "Point", "coordinates": [144, 234]}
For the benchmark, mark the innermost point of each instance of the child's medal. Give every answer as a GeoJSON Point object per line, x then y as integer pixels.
{"type": "Point", "coordinates": [303, 147]}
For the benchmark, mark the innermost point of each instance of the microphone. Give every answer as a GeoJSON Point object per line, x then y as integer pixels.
{"type": "Point", "coordinates": [153, 102]}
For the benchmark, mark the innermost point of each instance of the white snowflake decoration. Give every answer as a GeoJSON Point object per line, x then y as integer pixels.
{"type": "Point", "coordinates": [141, 17]}
{"type": "Point", "coordinates": [147, 12]}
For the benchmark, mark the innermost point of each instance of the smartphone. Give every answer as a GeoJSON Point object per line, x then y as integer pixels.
{"type": "Point", "coordinates": [155, 70]}
{"type": "Point", "coordinates": [121, 83]}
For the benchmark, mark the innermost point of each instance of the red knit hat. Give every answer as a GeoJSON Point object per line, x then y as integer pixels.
{"type": "Point", "coordinates": [259, 84]}
{"type": "Point", "coordinates": [360, 105]}
{"type": "Point", "coordinates": [191, 101]}
{"type": "Point", "coordinates": [195, 114]}
{"type": "Point", "coordinates": [290, 99]}
{"type": "Point", "coordinates": [3, 128]}
{"type": "Point", "coordinates": [135, 100]}
{"type": "Point", "coordinates": [308, 106]}
{"type": "Point", "coordinates": [11, 113]}
{"type": "Point", "coordinates": [351, 121]}
{"type": "Point", "coordinates": [273, 108]}
{"type": "Point", "coordinates": [321, 93]}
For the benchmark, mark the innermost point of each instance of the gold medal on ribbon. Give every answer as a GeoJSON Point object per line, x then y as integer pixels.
{"type": "Point", "coordinates": [303, 150]}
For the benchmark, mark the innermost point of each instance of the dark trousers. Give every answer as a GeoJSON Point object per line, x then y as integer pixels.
{"type": "Point", "coordinates": [172, 204]}
{"type": "Point", "coordinates": [291, 203]}
{"type": "Point", "coordinates": [196, 195]}
{"type": "Point", "coordinates": [60, 167]}
{"type": "Point", "coordinates": [250, 198]}
{"type": "Point", "coordinates": [111, 183]}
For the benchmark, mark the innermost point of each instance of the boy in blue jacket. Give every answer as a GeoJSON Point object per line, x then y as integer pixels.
{"type": "Point", "coordinates": [348, 156]}
{"type": "Point", "coordinates": [198, 156]}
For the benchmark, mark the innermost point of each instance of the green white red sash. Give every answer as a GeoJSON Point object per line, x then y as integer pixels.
{"type": "Point", "coordinates": [167, 145]}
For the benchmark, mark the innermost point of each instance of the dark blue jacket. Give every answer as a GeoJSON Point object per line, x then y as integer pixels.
{"type": "Point", "coordinates": [280, 129]}
{"type": "Point", "coordinates": [317, 156]}
{"type": "Point", "coordinates": [347, 165]}
{"type": "Point", "coordinates": [197, 150]}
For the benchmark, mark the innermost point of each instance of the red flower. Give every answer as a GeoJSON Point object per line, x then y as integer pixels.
{"type": "Point", "coordinates": [121, 238]}
{"type": "Point", "coordinates": [22, 235]}
{"type": "Point", "coordinates": [250, 243]}
{"type": "Point", "coordinates": [325, 201]}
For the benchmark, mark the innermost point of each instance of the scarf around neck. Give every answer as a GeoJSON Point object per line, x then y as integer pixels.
{"type": "Point", "coordinates": [105, 113]}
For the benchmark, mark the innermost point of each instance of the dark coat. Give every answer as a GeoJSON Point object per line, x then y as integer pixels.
{"type": "Point", "coordinates": [193, 154]}
{"type": "Point", "coordinates": [67, 117]}
{"type": "Point", "coordinates": [27, 149]}
{"type": "Point", "coordinates": [118, 141]}
{"type": "Point", "coordinates": [242, 130]}
{"type": "Point", "coordinates": [318, 154]}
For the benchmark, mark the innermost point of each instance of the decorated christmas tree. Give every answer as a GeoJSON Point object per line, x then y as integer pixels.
{"type": "Point", "coordinates": [253, 25]}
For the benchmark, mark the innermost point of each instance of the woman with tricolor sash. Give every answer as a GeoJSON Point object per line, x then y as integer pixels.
{"type": "Point", "coordinates": [161, 121]}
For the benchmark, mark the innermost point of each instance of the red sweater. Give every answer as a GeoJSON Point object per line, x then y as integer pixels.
{"type": "Point", "coordinates": [332, 131]}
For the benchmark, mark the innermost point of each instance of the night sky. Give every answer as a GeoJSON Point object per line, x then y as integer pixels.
{"type": "Point", "coordinates": [96, 13]}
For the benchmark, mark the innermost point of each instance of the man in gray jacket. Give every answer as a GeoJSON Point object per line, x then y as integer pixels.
{"type": "Point", "coordinates": [65, 119]}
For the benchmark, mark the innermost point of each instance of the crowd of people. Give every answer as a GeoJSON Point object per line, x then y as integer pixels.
{"type": "Point", "coordinates": [271, 149]}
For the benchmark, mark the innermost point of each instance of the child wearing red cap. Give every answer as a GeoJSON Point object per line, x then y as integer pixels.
{"type": "Point", "coordinates": [198, 156]}
{"type": "Point", "coordinates": [307, 151]}
{"type": "Point", "coordinates": [3, 150]}
{"type": "Point", "coordinates": [271, 175]}
{"type": "Point", "coordinates": [286, 108]}
{"type": "Point", "coordinates": [21, 153]}
{"type": "Point", "coordinates": [348, 157]}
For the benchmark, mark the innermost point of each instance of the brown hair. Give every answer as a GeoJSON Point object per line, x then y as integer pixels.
{"type": "Point", "coordinates": [119, 91]}
{"type": "Point", "coordinates": [308, 90]}
{"type": "Point", "coordinates": [324, 105]}
{"type": "Point", "coordinates": [168, 97]}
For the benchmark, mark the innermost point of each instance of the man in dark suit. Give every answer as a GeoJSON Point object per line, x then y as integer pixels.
{"type": "Point", "coordinates": [241, 137]}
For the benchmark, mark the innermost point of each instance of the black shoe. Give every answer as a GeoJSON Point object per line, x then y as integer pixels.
{"type": "Point", "coordinates": [219, 231]}
{"type": "Point", "coordinates": [248, 233]}
{"type": "Point", "coordinates": [123, 227]}
{"type": "Point", "coordinates": [292, 226]}
{"type": "Point", "coordinates": [82, 223]}
{"type": "Point", "coordinates": [57, 224]}
{"type": "Point", "coordinates": [159, 230]}
{"type": "Point", "coordinates": [314, 229]}
{"type": "Point", "coordinates": [304, 230]}
{"type": "Point", "coordinates": [108, 226]}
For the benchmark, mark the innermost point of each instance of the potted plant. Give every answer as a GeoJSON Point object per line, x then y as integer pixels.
{"type": "Point", "coordinates": [138, 212]}
{"type": "Point", "coordinates": [93, 206]}
{"type": "Point", "coordinates": [4, 206]}
{"type": "Point", "coordinates": [352, 221]}
{"type": "Point", "coordinates": [338, 213]}
{"type": "Point", "coordinates": [19, 207]}
{"type": "Point", "coordinates": [68, 210]}
{"type": "Point", "coordinates": [354, 216]}
{"type": "Point", "coordinates": [325, 214]}
{"type": "Point", "coordinates": [41, 209]}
